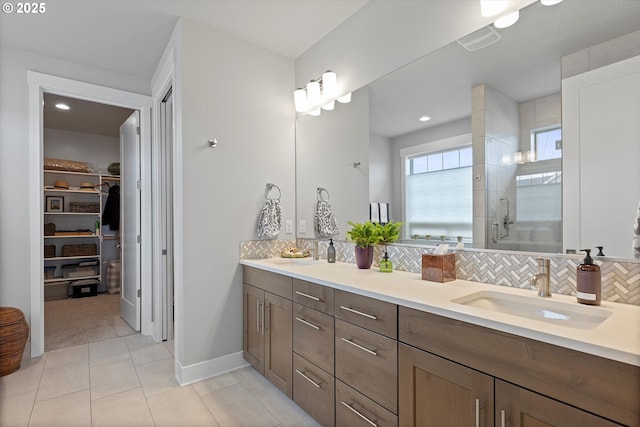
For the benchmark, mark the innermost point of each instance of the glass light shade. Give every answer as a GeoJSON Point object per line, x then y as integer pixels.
{"type": "Point", "coordinates": [315, 111]}
{"type": "Point", "coordinates": [62, 106]}
{"type": "Point", "coordinates": [492, 7]}
{"type": "Point", "coordinates": [507, 20]}
{"type": "Point", "coordinates": [329, 106]}
{"type": "Point", "coordinates": [344, 99]}
{"type": "Point", "coordinates": [329, 84]}
{"type": "Point", "coordinates": [313, 93]}
{"type": "Point", "coordinates": [300, 100]}
{"type": "Point", "coordinates": [550, 2]}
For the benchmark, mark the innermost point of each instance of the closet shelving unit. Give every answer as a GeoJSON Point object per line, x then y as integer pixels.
{"type": "Point", "coordinates": [66, 220]}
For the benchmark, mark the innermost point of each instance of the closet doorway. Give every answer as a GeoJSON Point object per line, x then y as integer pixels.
{"type": "Point", "coordinates": [91, 265]}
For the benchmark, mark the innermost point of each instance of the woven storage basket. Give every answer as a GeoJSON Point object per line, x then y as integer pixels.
{"type": "Point", "coordinates": [79, 250]}
{"type": "Point", "coordinates": [84, 207]}
{"type": "Point", "coordinates": [14, 332]}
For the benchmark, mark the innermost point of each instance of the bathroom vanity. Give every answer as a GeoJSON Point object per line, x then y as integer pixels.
{"type": "Point", "coordinates": [357, 347]}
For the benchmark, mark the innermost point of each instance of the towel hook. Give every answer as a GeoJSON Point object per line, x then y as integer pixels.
{"type": "Point", "coordinates": [270, 187]}
{"type": "Point", "coordinates": [320, 190]}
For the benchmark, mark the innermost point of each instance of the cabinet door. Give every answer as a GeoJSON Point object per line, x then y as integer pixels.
{"type": "Point", "coordinates": [518, 407]}
{"type": "Point", "coordinates": [253, 334]}
{"type": "Point", "coordinates": [278, 362]}
{"type": "Point", "coordinates": [435, 392]}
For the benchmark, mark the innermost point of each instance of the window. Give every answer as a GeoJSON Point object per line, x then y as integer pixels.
{"type": "Point", "coordinates": [547, 143]}
{"type": "Point", "coordinates": [439, 193]}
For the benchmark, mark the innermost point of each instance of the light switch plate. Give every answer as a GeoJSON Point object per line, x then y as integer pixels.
{"type": "Point", "coordinates": [288, 226]}
{"type": "Point", "coordinates": [302, 226]}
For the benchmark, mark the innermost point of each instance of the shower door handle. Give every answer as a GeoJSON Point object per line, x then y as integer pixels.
{"type": "Point", "coordinates": [494, 233]}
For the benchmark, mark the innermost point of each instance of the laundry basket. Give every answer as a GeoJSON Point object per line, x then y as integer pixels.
{"type": "Point", "coordinates": [113, 276]}
{"type": "Point", "coordinates": [14, 332]}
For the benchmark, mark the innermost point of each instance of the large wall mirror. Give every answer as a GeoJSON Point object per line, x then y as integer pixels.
{"type": "Point", "coordinates": [493, 144]}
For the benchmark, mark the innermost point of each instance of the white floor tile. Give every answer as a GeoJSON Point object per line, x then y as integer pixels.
{"type": "Point", "coordinates": [157, 377]}
{"type": "Point", "coordinates": [236, 406]}
{"type": "Point", "coordinates": [25, 379]}
{"type": "Point", "coordinates": [180, 407]}
{"type": "Point", "coordinates": [149, 354]}
{"type": "Point", "coordinates": [16, 410]}
{"type": "Point", "coordinates": [135, 342]}
{"type": "Point", "coordinates": [64, 356]}
{"type": "Point", "coordinates": [70, 410]}
{"type": "Point", "coordinates": [108, 351]}
{"type": "Point", "coordinates": [125, 409]}
{"type": "Point", "coordinates": [284, 409]}
{"type": "Point", "coordinates": [251, 379]}
{"type": "Point", "coordinates": [215, 383]}
{"type": "Point", "coordinates": [112, 378]}
{"type": "Point", "coordinates": [59, 380]}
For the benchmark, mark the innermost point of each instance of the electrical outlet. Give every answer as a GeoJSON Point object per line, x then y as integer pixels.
{"type": "Point", "coordinates": [302, 226]}
{"type": "Point", "coordinates": [288, 226]}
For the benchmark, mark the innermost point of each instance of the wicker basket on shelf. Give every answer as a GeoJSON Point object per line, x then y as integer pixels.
{"type": "Point", "coordinates": [14, 332]}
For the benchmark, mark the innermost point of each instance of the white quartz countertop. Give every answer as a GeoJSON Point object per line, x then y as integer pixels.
{"type": "Point", "coordinates": [616, 338]}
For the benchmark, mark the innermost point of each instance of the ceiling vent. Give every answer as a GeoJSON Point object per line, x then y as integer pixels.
{"type": "Point", "coordinates": [480, 39]}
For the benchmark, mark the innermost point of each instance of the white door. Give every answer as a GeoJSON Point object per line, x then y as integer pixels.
{"type": "Point", "coordinates": [130, 220]}
{"type": "Point", "coordinates": [166, 214]}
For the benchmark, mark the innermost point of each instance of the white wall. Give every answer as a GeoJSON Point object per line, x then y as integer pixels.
{"type": "Point", "coordinates": [240, 95]}
{"type": "Point", "coordinates": [97, 150]}
{"type": "Point", "coordinates": [326, 148]}
{"type": "Point", "coordinates": [380, 171]}
{"type": "Point", "coordinates": [14, 161]}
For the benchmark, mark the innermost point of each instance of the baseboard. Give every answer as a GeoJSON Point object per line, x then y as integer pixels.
{"type": "Point", "coordinates": [190, 374]}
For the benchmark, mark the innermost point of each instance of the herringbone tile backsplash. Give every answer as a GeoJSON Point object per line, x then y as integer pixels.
{"type": "Point", "coordinates": [620, 280]}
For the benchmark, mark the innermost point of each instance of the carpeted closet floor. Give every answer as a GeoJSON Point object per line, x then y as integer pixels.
{"type": "Point", "coordinates": [75, 321]}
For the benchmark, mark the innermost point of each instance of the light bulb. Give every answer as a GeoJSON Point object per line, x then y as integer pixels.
{"type": "Point", "coordinates": [300, 100]}
{"type": "Point", "coordinates": [315, 111]}
{"type": "Point", "coordinates": [62, 106]}
{"type": "Point", "coordinates": [313, 93]}
{"type": "Point", "coordinates": [550, 2]}
{"type": "Point", "coordinates": [492, 7]}
{"type": "Point", "coordinates": [507, 20]}
{"type": "Point", "coordinates": [345, 99]}
{"type": "Point", "coordinates": [329, 84]}
{"type": "Point", "coordinates": [329, 106]}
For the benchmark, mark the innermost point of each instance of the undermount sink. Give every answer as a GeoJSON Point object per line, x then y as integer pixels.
{"type": "Point", "coordinates": [293, 261]}
{"type": "Point", "coordinates": [535, 308]}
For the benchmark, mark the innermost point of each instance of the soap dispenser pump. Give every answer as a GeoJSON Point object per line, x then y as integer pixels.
{"type": "Point", "coordinates": [331, 252]}
{"type": "Point", "coordinates": [588, 281]}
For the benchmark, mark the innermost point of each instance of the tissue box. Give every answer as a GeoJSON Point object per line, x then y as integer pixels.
{"type": "Point", "coordinates": [439, 268]}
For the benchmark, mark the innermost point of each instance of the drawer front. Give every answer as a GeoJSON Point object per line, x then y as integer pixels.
{"type": "Point", "coordinates": [354, 409]}
{"type": "Point", "coordinates": [372, 314]}
{"type": "Point", "coordinates": [269, 281]}
{"type": "Point", "coordinates": [313, 336]}
{"type": "Point", "coordinates": [368, 362]}
{"type": "Point", "coordinates": [313, 390]}
{"type": "Point", "coordinates": [313, 295]}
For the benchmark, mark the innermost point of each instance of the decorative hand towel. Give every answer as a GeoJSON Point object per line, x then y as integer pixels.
{"type": "Point", "coordinates": [325, 220]}
{"type": "Point", "coordinates": [270, 220]}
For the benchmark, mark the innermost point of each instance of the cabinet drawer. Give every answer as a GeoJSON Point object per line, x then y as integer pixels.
{"type": "Point", "coordinates": [313, 295]}
{"type": "Point", "coordinates": [270, 282]}
{"type": "Point", "coordinates": [372, 314]}
{"type": "Point", "coordinates": [313, 336]}
{"type": "Point", "coordinates": [368, 362]}
{"type": "Point", "coordinates": [354, 409]}
{"type": "Point", "coordinates": [313, 390]}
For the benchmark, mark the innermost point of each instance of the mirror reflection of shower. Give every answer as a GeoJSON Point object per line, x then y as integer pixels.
{"type": "Point", "coordinates": [507, 221]}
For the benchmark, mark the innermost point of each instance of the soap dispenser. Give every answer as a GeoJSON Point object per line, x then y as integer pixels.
{"type": "Point", "coordinates": [588, 281]}
{"type": "Point", "coordinates": [386, 266]}
{"type": "Point", "coordinates": [331, 252]}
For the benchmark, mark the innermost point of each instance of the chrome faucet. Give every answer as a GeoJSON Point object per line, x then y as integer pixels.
{"type": "Point", "coordinates": [544, 268]}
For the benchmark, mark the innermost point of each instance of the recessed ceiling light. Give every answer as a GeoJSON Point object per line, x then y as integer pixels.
{"type": "Point", "coordinates": [62, 106]}
{"type": "Point", "coordinates": [424, 118]}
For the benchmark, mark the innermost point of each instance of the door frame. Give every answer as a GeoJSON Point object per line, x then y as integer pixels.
{"type": "Point", "coordinates": [40, 83]}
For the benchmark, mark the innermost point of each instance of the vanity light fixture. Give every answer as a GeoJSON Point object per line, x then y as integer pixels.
{"type": "Point", "coordinates": [490, 8]}
{"type": "Point", "coordinates": [424, 118]}
{"type": "Point", "coordinates": [319, 94]}
{"type": "Point", "coordinates": [507, 20]}
{"type": "Point", "coordinates": [550, 2]}
{"type": "Point", "coordinates": [62, 106]}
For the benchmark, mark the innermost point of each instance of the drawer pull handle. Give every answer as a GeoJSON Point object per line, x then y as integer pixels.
{"type": "Point", "coordinates": [477, 412]}
{"type": "Point", "coordinates": [308, 379]}
{"type": "Point", "coordinates": [503, 418]}
{"type": "Point", "coordinates": [307, 296]}
{"type": "Point", "coordinates": [355, 411]}
{"type": "Point", "coordinates": [308, 324]}
{"type": "Point", "coordinates": [368, 316]}
{"type": "Point", "coordinates": [359, 346]}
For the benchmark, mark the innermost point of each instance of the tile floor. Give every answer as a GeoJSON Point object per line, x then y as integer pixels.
{"type": "Point", "coordinates": [129, 381]}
